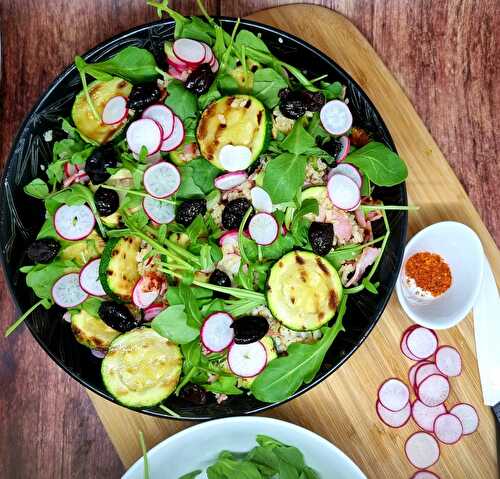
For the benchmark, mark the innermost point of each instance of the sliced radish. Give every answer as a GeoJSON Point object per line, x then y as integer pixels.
{"type": "Point", "coordinates": [115, 110]}
{"type": "Point", "coordinates": [189, 51]}
{"type": "Point", "coordinates": [81, 177]}
{"type": "Point", "coordinates": [424, 475]}
{"type": "Point", "coordinates": [74, 222]}
{"type": "Point", "coordinates": [152, 311]}
{"type": "Point", "coordinates": [215, 66]}
{"type": "Point", "coordinates": [263, 228]}
{"type": "Point", "coordinates": [424, 371]}
{"type": "Point", "coordinates": [434, 390]}
{"type": "Point", "coordinates": [209, 55]}
{"type": "Point", "coordinates": [180, 75]}
{"type": "Point", "coordinates": [336, 117]}
{"type": "Point", "coordinates": [158, 211]}
{"type": "Point", "coordinates": [144, 132]}
{"type": "Point", "coordinates": [394, 394]}
{"type": "Point", "coordinates": [235, 158]}
{"type": "Point", "coordinates": [343, 192]}
{"type": "Point", "coordinates": [141, 297]}
{"type": "Point", "coordinates": [448, 361]}
{"type": "Point", "coordinates": [405, 350]}
{"type": "Point", "coordinates": [89, 278]}
{"type": "Point", "coordinates": [425, 416]}
{"type": "Point", "coordinates": [230, 238]}
{"type": "Point", "coordinates": [448, 428]}
{"type": "Point", "coordinates": [394, 418]}
{"type": "Point", "coordinates": [70, 169]}
{"type": "Point", "coordinates": [422, 342]}
{"type": "Point", "coordinates": [346, 146]}
{"type": "Point", "coordinates": [348, 170]}
{"type": "Point", "coordinates": [468, 417]}
{"type": "Point", "coordinates": [413, 370]}
{"type": "Point", "coordinates": [216, 332]}
{"type": "Point", "coordinates": [174, 60]}
{"type": "Point", "coordinates": [154, 158]}
{"type": "Point", "coordinates": [261, 200]}
{"type": "Point", "coordinates": [163, 115]}
{"type": "Point", "coordinates": [67, 317]}
{"type": "Point", "coordinates": [176, 137]}
{"type": "Point", "coordinates": [67, 292]}
{"type": "Point", "coordinates": [247, 360]}
{"type": "Point", "coordinates": [422, 450]}
{"type": "Point", "coordinates": [228, 181]}
{"type": "Point", "coordinates": [162, 180]}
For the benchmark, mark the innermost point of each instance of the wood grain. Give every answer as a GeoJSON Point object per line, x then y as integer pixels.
{"type": "Point", "coordinates": [444, 54]}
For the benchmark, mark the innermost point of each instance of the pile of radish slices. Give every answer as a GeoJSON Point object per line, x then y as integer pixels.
{"type": "Point", "coordinates": [185, 55]}
{"type": "Point", "coordinates": [429, 379]}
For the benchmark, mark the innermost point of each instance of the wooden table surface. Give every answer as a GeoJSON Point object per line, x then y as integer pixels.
{"type": "Point", "coordinates": [446, 57]}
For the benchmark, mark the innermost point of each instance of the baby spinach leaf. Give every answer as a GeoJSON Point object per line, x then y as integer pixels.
{"type": "Point", "coordinates": [42, 277]}
{"type": "Point", "coordinates": [379, 164]}
{"type": "Point", "coordinates": [228, 468]}
{"type": "Point", "coordinates": [182, 102]}
{"type": "Point", "coordinates": [227, 84]}
{"type": "Point", "coordinates": [332, 90]}
{"type": "Point", "coordinates": [283, 176]}
{"type": "Point", "coordinates": [309, 473]}
{"type": "Point", "coordinates": [172, 323]}
{"type": "Point", "coordinates": [197, 178]}
{"type": "Point", "coordinates": [197, 29]}
{"type": "Point", "coordinates": [191, 475]}
{"type": "Point", "coordinates": [298, 141]}
{"type": "Point", "coordinates": [224, 385]}
{"type": "Point", "coordinates": [267, 83]}
{"type": "Point", "coordinates": [248, 39]}
{"type": "Point", "coordinates": [37, 188]}
{"type": "Point", "coordinates": [211, 95]}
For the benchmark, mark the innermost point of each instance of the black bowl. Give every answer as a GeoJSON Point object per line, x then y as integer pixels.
{"type": "Point", "coordinates": [21, 216]}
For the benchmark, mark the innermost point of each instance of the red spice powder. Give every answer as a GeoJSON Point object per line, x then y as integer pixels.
{"type": "Point", "coordinates": [430, 272]}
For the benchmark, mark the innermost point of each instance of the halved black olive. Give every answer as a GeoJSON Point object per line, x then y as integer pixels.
{"type": "Point", "coordinates": [314, 100]}
{"type": "Point", "coordinates": [143, 95]}
{"type": "Point", "coordinates": [219, 278]}
{"type": "Point", "coordinates": [321, 237]}
{"type": "Point", "coordinates": [97, 163]}
{"type": "Point", "coordinates": [333, 147]}
{"type": "Point", "coordinates": [293, 105]}
{"type": "Point", "coordinates": [106, 201]}
{"type": "Point", "coordinates": [194, 394]}
{"type": "Point", "coordinates": [233, 213]}
{"type": "Point", "coordinates": [199, 80]}
{"type": "Point", "coordinates": [188, 210]}
{"type": "Point", "coordinates": [117, 316]}
{"type": "Point", "coordinates": [249, 329]}
{"type": "Point", "coordinates": [43, 250]}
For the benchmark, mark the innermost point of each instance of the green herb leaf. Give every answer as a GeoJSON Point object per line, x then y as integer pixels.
{"type": "Point", "coordinates": [283, 176]}
{"type": "Point", "coordinates": [298, 141]}
{"type": "Point", "coordinates": [91, 306]}
{"type": "Point", "coordinates": [37, 188]}
{"type": "Point", "coordinates": [191, 475]}
{"type": "Point", "coordinates": [333, 90]}
{"type": "Point", "coordinates": [182, 102]}
{"type": "Point", "coordinates": [267, 83]}
{"type": "Point", "coordinates": [224, 385]}
{"type": "Point", "coordinates": [172, 323]}
{"type": "Point", "coordinates": [42, 277]}
{"type": "Point", "coordinates": [248, 39]}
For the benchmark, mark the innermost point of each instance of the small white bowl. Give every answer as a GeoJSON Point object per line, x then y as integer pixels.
{"type": "Point", "coordinates": [461, 248]}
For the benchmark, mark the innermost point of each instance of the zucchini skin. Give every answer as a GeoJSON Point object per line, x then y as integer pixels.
{"type": "Point", "coordinates": [91, 331]}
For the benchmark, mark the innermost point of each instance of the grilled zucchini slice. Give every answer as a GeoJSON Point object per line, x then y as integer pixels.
{"type": "Point", "coordinates": [141, 368]}
{"type": "Point", "coordinates": [90, 128]}
{"type": "Point", "coordinates": [91, 331]}
{"type": "Point", "coordinates": [84, 250]}
{"type": "Point", "coordinates": [118, 270]}
{"type": "Point", "coordinates": [233, 120]}
{"type": "Point", "coordinates": [304, 291]}
{"type": "Point", "coordinates": [268, 343]}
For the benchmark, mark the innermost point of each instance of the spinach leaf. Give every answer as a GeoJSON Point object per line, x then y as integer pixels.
{"type": "Point", "coordinates": [172, 323]}
{"type": "Point", "coordinates": [211, 95]}
{"type": "Point", "coordinates": [283, 176]}
{"type": "Point", "coordinates": [91, 306]}
{"type": "Point", "coordinates": [332, 90]}
{"type": "Point", "coordinates": [181, 101]}
{"type": "Point", "coordinates": [37, 188]}
{"type": "Point", "coordinates": [246, 39]}
{"type": "Point", "coordinates": [267, 83]}
{"type": "Point", "coordinates": [198, 29]}
{"type": "Point", "coordinates": [284, 375]}
{"type": "Point", "coordinates": [191, 475]}
{"type": "Point", "coordinates": [228, 468]}
{"type": "Point", "coordinates": [309, 473]}
{"type": "Point", "coordinates": [42, 277]}
{"type": "Point", "coordinates": [224, 385]}
{"type": "Point", "coordinates": [227, 84]}
{"type": "Point", "coordinates": [298, 141]}
{"type": "Point", "coordinates": [197, 178]}
{"type": "Point", "coordinates": [315, 128]}
{"type": "Point", "coordinates": [379, 164]}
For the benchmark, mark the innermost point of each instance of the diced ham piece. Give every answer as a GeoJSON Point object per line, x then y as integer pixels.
{"type": "Point", "coordinates": [366, 259]}
{"type": "Point", "coordinates": [342, 226]}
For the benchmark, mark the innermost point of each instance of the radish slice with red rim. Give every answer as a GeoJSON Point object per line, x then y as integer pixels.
{"type": "Point", "coordinates": [405, 350]}
{"type": "Point", "coordinates": [144, 132]}
{"type": "Point", "coordinates": [141, 297]}
{"type": "Point", "coordinates": [424, 371]}
{"type": "Point", "coordinates": [235, 158]}
{"type": "Point", "coordinates": [176, 137]}
{"type": "Point", "coordinates": [394, 394]}
{"type": "Point", "coordinates": [422, 450]}
{"type": "Point", "coordinates": [468, 417]}
{"type": "Point", "coordinates": [230, 238]}
{"type": "Point", "coordinates": [74, 222]}
{"type": "Point", "coordinates": [228, 181]}
{"type": "Point", "coordinates": [261, 200]}
{"type": "Point", "coordinates": [163, 115]}
{"type": "Point", "coordinates": [434, 390]}
{"type": "Point", "coordinates": [263, 228]}
{"type": "Point", "coordinates": [162, 180]}
{"type": "Point", "coordinates": [346, 146]}
{"type": "Point", "coordinates": [422, 342]}
{"type": "Point", "coordinates": [413, 370]}
{"type": "Point", "coordinates": [216, 332]}
{"type": "Point", "coordinates": [425, 416]}
{"type": "Point", "coordinates": [152, 311]}
{"type": "Point", "coordinates": [115, 110]}
{"type": "Point", "coordinates": [67, 291]}
{"type": "Point", "coordinates": [247, 360]}
{"type": "Point", "coordinates": [189, 51]}
{"type": "Point", "coordinates": [348, 170]}
{"type": "Point", "coordinates": [448, 361]}
{"type": "Point", "coordinates": [70, 169]}
{"type": "Point", "coordinates": [215, 65]}
{"type": "Point", "coordinates": [209, 55]}
{"type": "Point", "coordinates": [343, 192]}
{"type": "Point", "coordinates": [336, 117]}
{"type": "Point", "coordinates": [394, 418]}
{"type": "Point", "coordinates": [89, 278]}
{"type": "Point", "coordinates": [424, 475]}
{"type": "Point", "coordinates": [158, 211]}
{"type": "Point", "coordinates": [448, 428]}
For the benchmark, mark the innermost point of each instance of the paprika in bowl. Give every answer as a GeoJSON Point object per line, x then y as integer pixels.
{"type": "Point", "coordinates": [441, 274]}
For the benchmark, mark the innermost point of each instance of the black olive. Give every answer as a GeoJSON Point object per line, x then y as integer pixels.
{"type": "Point", "coordinates": [188, 210]}
{"type": "Point", "coordinates": [143, 95]}
{"type": "Point", "coordinates": [117, 316]}
{"type": "Point", "coordinates": [194, 394]}
{"type": "Point", "coordinates": [106, 201]}
{"type": "Point", "coordinates": [233, 213]}
{"type": "Point", "coordinates": [97, 163]}
{"type": "Point", "coordinates": [314, 100]}
{"type": "Point", "coordinates": [292, 104]}
{"type": "Point", "coordinates": [199, 80]}
{"type": "Point", "coordinates": [321, 237]}
{"type": "Point", "coordinates": [333, 147]}
{"type": "Point", "coordinates": [249, 329]}
{"type": "Point", "coordinates": [219, 278]}
{"type": "Point", "coordinates": [43, 250]}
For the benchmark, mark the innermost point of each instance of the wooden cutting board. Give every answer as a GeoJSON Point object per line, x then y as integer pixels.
{"type": "Point", "coordinates": [341, 408]}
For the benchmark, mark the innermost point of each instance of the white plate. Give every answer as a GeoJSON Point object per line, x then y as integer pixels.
{"type": "Point", "coordinates": [197, 448]}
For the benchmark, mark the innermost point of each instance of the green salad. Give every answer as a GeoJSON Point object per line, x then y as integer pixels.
{"type": "Point", "coordinates": [208, 213]}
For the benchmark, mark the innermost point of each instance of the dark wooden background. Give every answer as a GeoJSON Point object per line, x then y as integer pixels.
{"type": "Point", "coordinates": [446, 56]}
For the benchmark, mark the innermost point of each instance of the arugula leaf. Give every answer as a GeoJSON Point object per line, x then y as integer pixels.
{"type": "Point", "coordinates": [181, 101]}
{"type": "Point", "coordinates": [298, 141]}
{"type": "Point", "coordinates": [379, 164]}
{"type": "Point", "coordinates": [37, 188]}
{"type": "Point", "coordinates": [300, 225]}
{"type": "Point", "coordinates": [283, 176]}
{"type": "Point", "coordinates": [172, 323]}
{"type": "Point", "coordinates": [194, 317]}
{"type": "Point", "coordinates": [284, 375]}
{"type": "Point", "coordinates": [267, 84]}
{"type": "Point", "coordinates": [315, 128]}
{"type": "Point", "coordinates": [224, 385]}
{"type": "Point", "coordinates": [246, 39]}
{"type": "Point", "coordinates": [332, 90]}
